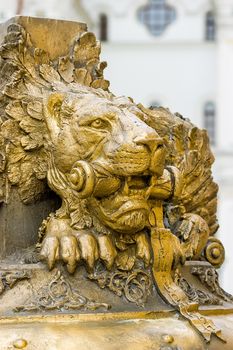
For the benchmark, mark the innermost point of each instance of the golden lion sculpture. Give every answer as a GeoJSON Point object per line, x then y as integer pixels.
{"type": "Point", "coordinates": [135, 183]}
{"type": "Point", "coordinates": [108, 159]}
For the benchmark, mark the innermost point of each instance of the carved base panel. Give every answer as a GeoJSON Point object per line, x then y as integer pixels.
{"type": "Point", "coordinates": [32, 289]}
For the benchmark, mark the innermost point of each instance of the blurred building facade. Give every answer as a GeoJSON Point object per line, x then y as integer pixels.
{"type": "Point", "coordinates": [174, 53]}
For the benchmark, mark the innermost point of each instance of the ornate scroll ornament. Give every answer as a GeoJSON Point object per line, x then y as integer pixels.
{"type": "Point", "coordinates": [214, 252]}
{"type": "Point", "coordinates": [209, 277]}
{"type": "Point", "coordinates": [196, 295]}
{"type": "Point", "coordinates": [135, 286]}
{"type": "Point", "coordinates": [59, 295]}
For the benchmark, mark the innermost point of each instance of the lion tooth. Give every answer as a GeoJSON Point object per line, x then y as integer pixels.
{"type": "Point", "coordinates": [148, 192]}
{"type": "Point", "coordinates": [126, 188]}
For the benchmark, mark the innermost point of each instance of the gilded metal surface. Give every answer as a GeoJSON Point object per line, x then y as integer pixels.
{"type": "Point", "coordinates": [137, 204]}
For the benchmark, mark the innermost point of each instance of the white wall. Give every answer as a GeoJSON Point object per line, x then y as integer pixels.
{"type": "Point", "coordinates": [180, 76]}
{"type": "Point", "coordinates": [68, 9]}
{"type": "Point", "coordinates": [223, 174]}
{"type": "Point", "coordinates": [7, 9]}
{"type": "Point", "coordinates": [225, 93]}
{"type": "Point", "coordinates": [125, 27]}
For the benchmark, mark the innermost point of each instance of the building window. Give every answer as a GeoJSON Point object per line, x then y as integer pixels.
{"type": "Point", "coordinates": [210, 26]}
{"type": "Point", "coordinates": [103, 25]}
{"type": "Point", "coordinates": [209, 121]}
{"type": "Point", "coordinates": [19, 8]}
{"type": "Point", "coordinates": [156, 16]}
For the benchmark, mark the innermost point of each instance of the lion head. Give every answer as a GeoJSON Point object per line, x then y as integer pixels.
{"type": "Point", "coordinates": [105, 153]}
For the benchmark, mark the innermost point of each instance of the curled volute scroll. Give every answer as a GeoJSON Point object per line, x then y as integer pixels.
{"type": "Point", "coordinates": [138, 198]}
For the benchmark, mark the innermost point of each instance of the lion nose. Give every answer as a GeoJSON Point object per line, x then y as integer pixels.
{"type": "Point", "coordinates": [152, 141]}
{"type": "Point", "coordinates": [157, 149]}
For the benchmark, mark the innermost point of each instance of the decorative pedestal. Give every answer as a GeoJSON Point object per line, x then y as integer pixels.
{"type": "Point", "coordinates": [108, 208]}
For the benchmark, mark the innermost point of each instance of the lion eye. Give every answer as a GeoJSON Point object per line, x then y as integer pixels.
{"type": "Point", "coordinates": [98, 124]}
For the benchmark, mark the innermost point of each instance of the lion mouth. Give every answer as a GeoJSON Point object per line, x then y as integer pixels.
{"type": "Point", "coordinates": [131, 187]}
{"type": "Point", "coordinates": [130, 206]}
{"type": "Point", "coordinates": [126, 209]}
{"type": "Point", "coordinates": [135, 185]}
{"type": "Point", "coordinates": [130, 197]}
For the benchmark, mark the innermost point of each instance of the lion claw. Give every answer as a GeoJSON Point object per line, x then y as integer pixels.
{"type": "Point", "coordinates": [89, 249]}
{"type": "Point", "coordinates": [71, 246]}
{"type": "Point", "coordinates": [70, 252]}
{"type": "Point", "coordinates": [50, 251]}
{"type": "Point", "coordinates": [107, 251]}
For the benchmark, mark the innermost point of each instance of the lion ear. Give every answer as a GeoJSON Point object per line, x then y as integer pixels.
{"type": "Point", "coordinates": [52, 107]}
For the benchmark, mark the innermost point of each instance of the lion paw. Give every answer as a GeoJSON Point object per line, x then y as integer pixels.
{"type": "Point", "coordinates": [63, 243]}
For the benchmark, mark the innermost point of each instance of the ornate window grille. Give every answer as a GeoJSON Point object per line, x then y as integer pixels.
{"type": "Point", "coordinates": [156, 16]}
